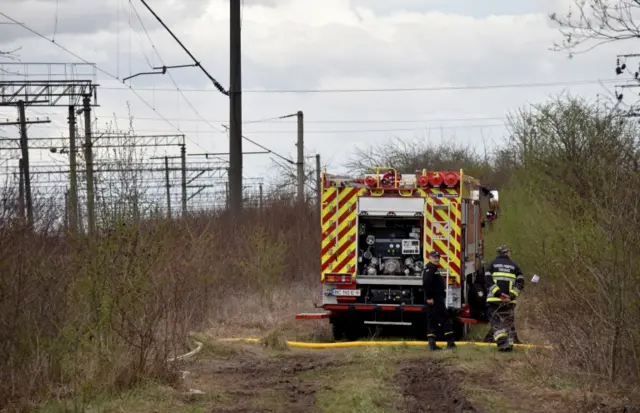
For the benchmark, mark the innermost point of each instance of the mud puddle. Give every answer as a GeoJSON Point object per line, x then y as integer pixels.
{"type": "Point", "coordinates": [259, 385]}
{"type": "Point", "coordinates": [429, 387]}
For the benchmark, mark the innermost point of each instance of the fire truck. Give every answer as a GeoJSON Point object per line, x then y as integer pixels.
{"type": "Point", "coordinates": [376, 234]}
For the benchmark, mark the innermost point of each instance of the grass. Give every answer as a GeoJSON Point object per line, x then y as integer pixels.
{"type": "Point", "coordinates": [494, 400]}
{"type": "Point", "coordinates": [216, 350]}
{"type": "Point", "coordinates": [359, 386]}
{"type": "Point", "coordinates": [149, 397]}
{"type": "Point", "coordinates": [355, 381]}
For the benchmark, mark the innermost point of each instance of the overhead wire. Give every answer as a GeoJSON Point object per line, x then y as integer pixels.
{"type": "Point", "coordinates": [153, 46]}
{"type": "Point", "coordinates": [282, 120]}
{"type": "Point", "coordinates": [339, 131]}
{"type": "Point", "coordinates": [278, 121]}
{"type": "Point", "coordinates": [216, 84]}
{"type": "Point", "coordinates": [408, 89]}
{"type": "Point", "coordinates": [182, 94]}
{"type": "Point", "coordinates": [55, 22]}
{"type": "Point", "coordinates": [115, 77]}
{"type": "Point", "coordinates": [101, 70]}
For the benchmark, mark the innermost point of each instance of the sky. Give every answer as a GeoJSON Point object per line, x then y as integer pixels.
{"type": "Point", "coordinates": [442, 48]}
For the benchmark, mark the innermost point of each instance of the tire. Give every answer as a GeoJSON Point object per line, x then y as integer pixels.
{"type": "Point", "coordinates": [354, 328]}
{"type": "Point", "coordinates": [337, 328]}
{"type": "Point", "coordinates": [460, 331]}
{"type": "Point", "coordinates": [347, 326]}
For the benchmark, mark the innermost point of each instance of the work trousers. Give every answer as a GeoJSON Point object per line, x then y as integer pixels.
{"type": "Point", "coordinates": [502, 319]}
{"type": "Point", "coordinates": [437, 316]}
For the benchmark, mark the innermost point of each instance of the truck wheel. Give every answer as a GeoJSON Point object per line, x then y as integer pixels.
{"type": "Point", "coordinates": [354, 328]}
{"type": "Point", "coordinates": [460, 331]}
{"type": "Point", "coordinates": [337, 329]}
{"type": "Point", "coordinates": [347, 327]}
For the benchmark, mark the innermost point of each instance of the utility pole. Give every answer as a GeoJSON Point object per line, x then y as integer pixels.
{"type": "Point", "coordinates": [235, 107]}
{"type": "Point", "coordinates": [73, 179]}
{"type": "Point", "coordinates": [300, 162]}
{"type": "Point", "coordinates": [66, 210]}
{"type": "Point", "coordinates": [168, 185]}
{"type": "Point", "coordinates": [21, 188]}
{"type": "Point", "coordinates": [183, 166]}
{"type": "Point", "coordinates": [260, 199]}
{"type": "Point", "coordinates": [24, 145]}
{"type": "Point", "coordinates": [88, 154]}
{"type": "Point", "coordinates": [226, 194]}
{"type": "Point", "coordinates": [183, 178]}
{"type": "Point", "coordinates": [318, 183]}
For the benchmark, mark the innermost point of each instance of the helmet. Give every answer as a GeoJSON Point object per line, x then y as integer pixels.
{"type": "Point", "coordinates": [503, 249]}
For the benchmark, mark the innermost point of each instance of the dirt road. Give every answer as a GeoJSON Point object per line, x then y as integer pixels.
{"type": "Point", "coordinates": [262, 385]}
{"type": "Point", "coordinates": [307, 381]}
{"type": "Point", "coordinates": [241, 379]}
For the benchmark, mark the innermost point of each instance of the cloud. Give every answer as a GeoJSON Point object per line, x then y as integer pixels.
{"type": "Point", "coordinates": [297, 44]}
{"type": "Point", "coordinates": [83, 17]}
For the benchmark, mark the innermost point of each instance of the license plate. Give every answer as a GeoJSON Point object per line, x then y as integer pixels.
{"type": "Point", "coordinates": [345, 293]}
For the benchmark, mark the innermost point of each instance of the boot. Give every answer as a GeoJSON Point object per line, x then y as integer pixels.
{"type": "Point", "coordinates": [504, 346]}
{"type": "Point", "coordinates": [451, 344]}
{"type": "Point", "coordinates": [432, 344]}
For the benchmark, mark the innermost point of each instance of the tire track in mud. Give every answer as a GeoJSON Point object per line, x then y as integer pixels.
{"type": "Point", "coordinates": [258, 385]}
{"type": "Point", "coordinates": [427, 386]}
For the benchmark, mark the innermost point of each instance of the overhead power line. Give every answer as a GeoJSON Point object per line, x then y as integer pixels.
{"type": "Point", "coordinates": [279, 120]}
{"type": "Point", "coordinates": [406, 89]}
{"type": "Point", "coordinates": [337, 131]}
{"type": "Point", "coordinates": [195, 61]}
{"type": "Point", "coordinates": [155, 49]}
{"type": "Point", "coordinates": [95, 65]}
{"type": "Point", "coordinates": [340, 121]}
{"type": "Point", "coordinates": [134, 90]}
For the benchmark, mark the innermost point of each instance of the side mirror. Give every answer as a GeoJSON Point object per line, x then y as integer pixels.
{"type": "Point", "coordinates": [494, 199]}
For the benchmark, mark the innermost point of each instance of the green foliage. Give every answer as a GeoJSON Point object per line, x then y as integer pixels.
{"type": "Point", "coordinates": [568, 175]}
{"type": "Point", "coordinates": [569, 214]}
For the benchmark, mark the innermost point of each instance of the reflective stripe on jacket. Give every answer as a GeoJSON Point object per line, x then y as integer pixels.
{"type": "Point", "coordinates": [503, 276]}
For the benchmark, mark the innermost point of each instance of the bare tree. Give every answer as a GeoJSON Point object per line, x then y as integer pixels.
{"type": "Point", "coordinates": [412, 156]}
{"type": "Point", "coordinates": [285, 182]}
{"type": "Point", "coordinates": [596, 22]}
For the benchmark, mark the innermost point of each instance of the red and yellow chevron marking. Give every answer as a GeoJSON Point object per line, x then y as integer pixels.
{"type": "Point", "coordinates": [339, 230]}
{"type": "Point", "coordinates": [449, 248]}
{"type": "Point", "coordinates": [436, 191]}
{"type": "Point", "coordinates": [328, 219]}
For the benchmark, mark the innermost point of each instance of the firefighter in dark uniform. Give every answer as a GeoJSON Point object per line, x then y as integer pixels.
{"type": "Point", "coordinates": [505, 282]}
{"type": "Point", "coordinates": [435, 299]}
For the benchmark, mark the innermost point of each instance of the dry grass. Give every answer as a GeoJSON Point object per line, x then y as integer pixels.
{"type": "Point", "coordinates": [83, 316]}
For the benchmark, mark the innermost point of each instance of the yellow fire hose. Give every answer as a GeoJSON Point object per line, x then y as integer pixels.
{"type": "Point", "coordinates": [398, 343]}
{"type": "Point", "coordinates": [350, 344]}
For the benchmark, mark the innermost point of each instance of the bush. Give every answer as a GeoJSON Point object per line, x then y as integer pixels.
{"type": "Point", "coordinates": [80, 316]}
{"type": "Point", "coordinates": [571, 213]}
{"type": "Point", "coordinates": [567, 174]}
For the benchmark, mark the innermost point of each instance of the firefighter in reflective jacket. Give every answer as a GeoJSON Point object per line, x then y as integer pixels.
{"type": "Point", "coordinates": [435, 292]}
{"type": "Point", "coordinates": [505, 282]}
